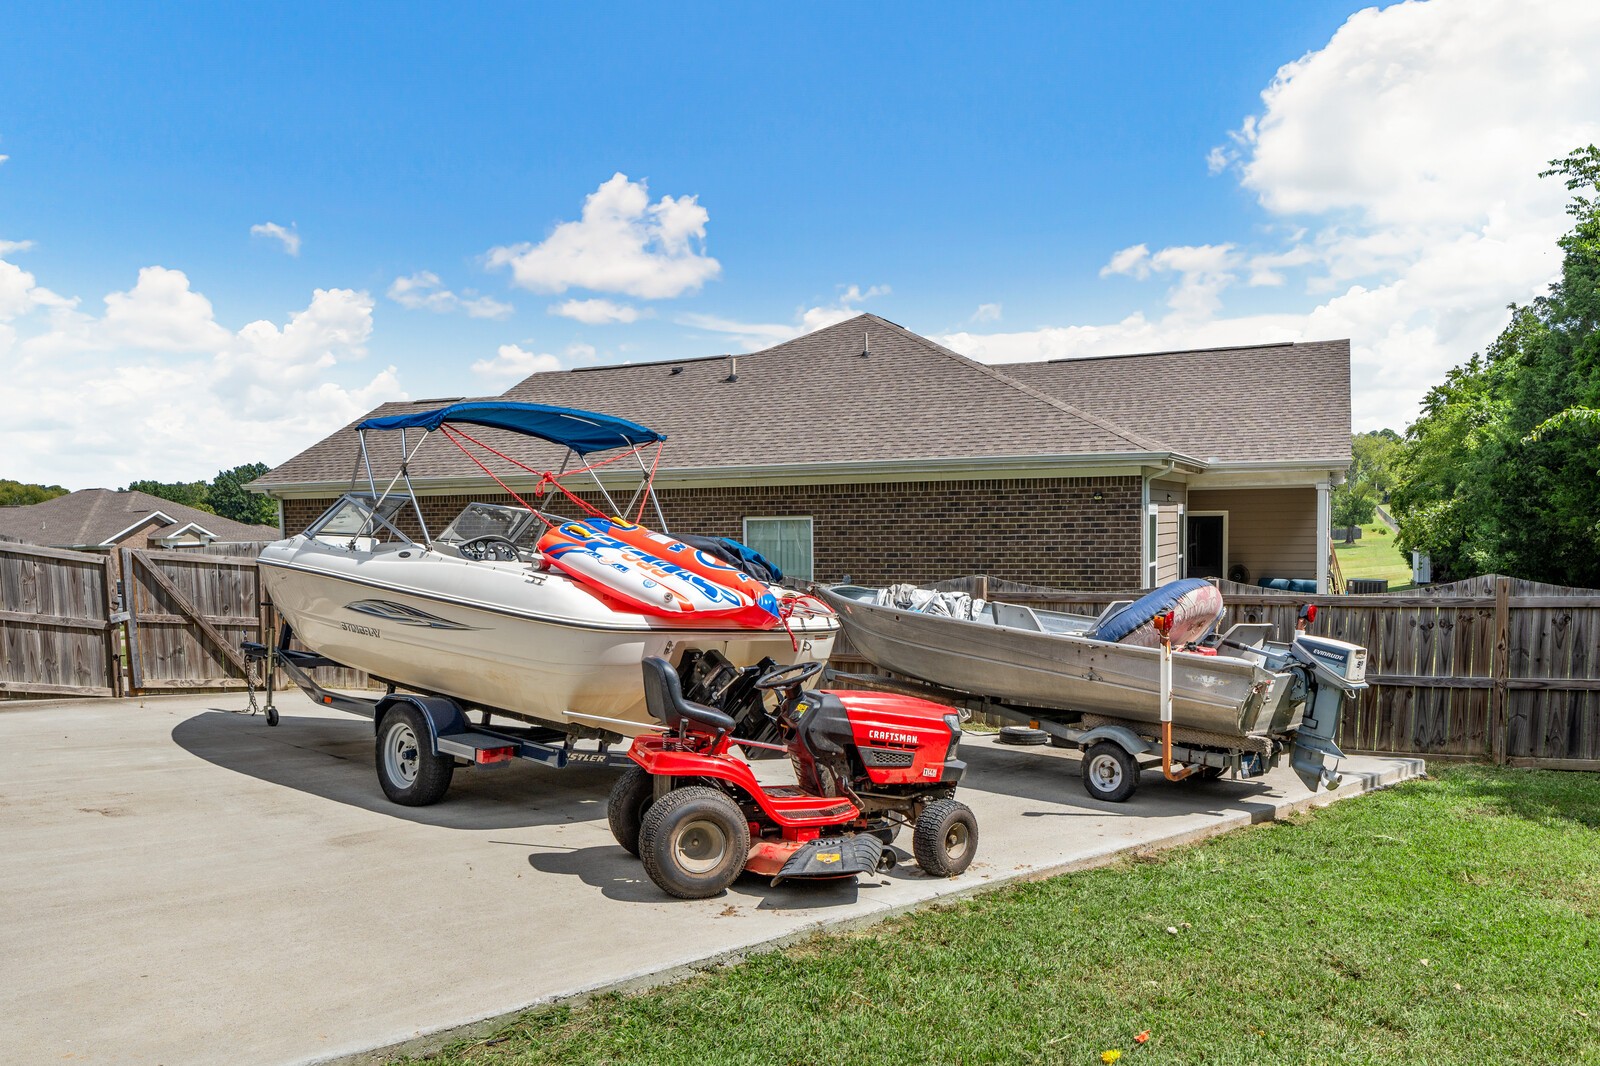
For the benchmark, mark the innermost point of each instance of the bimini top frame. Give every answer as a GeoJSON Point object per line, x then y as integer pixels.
{"type": "Point", "coordinates": [580, 432]}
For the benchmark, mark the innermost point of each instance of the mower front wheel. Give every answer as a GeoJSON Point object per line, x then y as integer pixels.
{"type": "Point", "coordinates": [631, 797]}
{"type": "Point", "coordinates": [946, 838]}
{"type": "Point", "coordinates": [694, 842]}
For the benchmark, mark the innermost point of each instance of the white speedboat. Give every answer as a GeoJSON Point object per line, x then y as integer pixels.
{"type": "Point", "coordinates": [494, 613]}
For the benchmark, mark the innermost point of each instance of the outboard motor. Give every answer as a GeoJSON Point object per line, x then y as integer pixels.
{"type": "Point", "coordinates": [1333, 671]}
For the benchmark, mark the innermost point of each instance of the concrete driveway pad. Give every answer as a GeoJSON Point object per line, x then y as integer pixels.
{"type": "Point", "coordinates": [184, 885]}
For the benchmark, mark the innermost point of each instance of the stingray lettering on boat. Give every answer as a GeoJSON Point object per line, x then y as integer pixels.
{"type": "Point", "coordinates": [406, 616]}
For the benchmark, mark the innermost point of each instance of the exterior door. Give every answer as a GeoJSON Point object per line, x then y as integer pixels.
{"type": "Point", "coordinates": [1208, 545]}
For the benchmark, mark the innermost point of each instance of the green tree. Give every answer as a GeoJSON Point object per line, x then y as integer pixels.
{"type": "Point", "coordinates": [20, 494]}
{"type": "Point", "coordinates": [1499, 472]}
{"type": "Point", "coordinates": [230, 499]}
{"type": "Point", "coordinates": [196, 494]}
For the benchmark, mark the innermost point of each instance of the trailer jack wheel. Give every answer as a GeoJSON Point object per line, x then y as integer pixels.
{"type": "Point", "coordinates": [272, 716]}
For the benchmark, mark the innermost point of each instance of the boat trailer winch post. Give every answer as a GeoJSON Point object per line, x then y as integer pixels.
{"type": "Point", "coordinates": [1163, 623]}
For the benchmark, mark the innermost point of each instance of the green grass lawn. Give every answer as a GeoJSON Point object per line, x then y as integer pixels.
{"type": "Point", "coordinates": [1453, 920]}
{"type": "Point", "coordinates": [1374, 556]}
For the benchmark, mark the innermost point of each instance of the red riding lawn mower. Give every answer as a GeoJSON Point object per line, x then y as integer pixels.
{"type": "Point", "coordinates": [867, 764]}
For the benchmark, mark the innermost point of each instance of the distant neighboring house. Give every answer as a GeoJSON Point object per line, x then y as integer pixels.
{"type": "Point", "coordinates": [108, 519]}
{"type": "Point", "coordinates": [863, 449]}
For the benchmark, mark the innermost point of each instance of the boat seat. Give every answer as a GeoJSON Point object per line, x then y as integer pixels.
{"type": "Point", "coordinates": [663, 698]}
{"type": "Point", "coordinates": [1016, 616]}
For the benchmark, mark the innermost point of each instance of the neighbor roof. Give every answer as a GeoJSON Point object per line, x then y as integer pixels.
{"type": "Point", "coordinates": [93, 517]}
{"type": "Point", "coordinates": [1267, 402]}
{"type": "Point", "coordinates": [813, 400]}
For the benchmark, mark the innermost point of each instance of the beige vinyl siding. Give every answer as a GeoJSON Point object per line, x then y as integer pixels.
{"type": "Point", "coordinates": [1271, 532]}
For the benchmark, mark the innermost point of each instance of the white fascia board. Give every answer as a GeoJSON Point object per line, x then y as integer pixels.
{"type": "Point", "coordinates": [1265, 475]}
{"type": "Point", "coordinates": [111, 541]}
{"type": "Point", "coordinates": [987, 468]}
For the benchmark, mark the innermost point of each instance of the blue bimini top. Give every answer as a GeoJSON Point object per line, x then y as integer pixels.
{"type": "Point", "coordinates": [582, 431]}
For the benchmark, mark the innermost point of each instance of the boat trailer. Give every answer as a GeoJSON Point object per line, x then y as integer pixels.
{"type": "Point", "coordinates": [421, 738]}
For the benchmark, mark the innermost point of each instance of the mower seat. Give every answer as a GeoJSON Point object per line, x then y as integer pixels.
{"type": "Point", "coordinates": [663, 698]}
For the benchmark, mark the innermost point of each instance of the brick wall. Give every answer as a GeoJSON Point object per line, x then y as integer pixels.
{"type": "Point", "coordinates": [1044, 531]}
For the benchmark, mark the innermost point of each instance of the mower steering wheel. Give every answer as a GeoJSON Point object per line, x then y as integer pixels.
{"type": "Point", "coordinates": [785, 676]}
{"type": "Point", "coordinates": [493, 546]}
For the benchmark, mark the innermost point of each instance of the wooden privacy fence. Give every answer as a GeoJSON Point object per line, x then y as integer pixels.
{"type": "Point", "coordinates": [58, 635]}
{"type": "Point", "coordinates": [1493, 667]}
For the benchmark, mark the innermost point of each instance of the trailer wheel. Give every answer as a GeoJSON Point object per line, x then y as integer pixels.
{"type": "Point", "coordinates": [1110, 773]}
{"type": "Point", "coordinates": [946, 838]}
{"type": "Point", "coordinates": [410, 774]}
{"type": "Point", "coordinates": [1023, 735]}
{"type": "Point", "coordinates": [631, 797]}
{"type": "Point", "coordinates": [694, 842]}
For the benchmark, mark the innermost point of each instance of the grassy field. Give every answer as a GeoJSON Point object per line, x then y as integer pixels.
{"type": "Point", "coordinates": [1374, 556]}
{"type": "Point", "coordinates": [1453, 920]}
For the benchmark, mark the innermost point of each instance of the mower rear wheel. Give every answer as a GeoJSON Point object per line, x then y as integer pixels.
{"type": "Point", "coordinates": [946, 838]}
{"type": "Point", "coordinates": [694, 842]}
{"type": "Point", "coordinates": [631, 797]}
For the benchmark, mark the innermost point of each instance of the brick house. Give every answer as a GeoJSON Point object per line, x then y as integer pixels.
{"type": "Point", "coordinates": [863, 449]}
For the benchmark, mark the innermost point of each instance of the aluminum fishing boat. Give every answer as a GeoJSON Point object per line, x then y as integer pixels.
{"type": "Point", "coordinates": [543, 611]}
{"type": "Point", "coordinates": [1234, 686]}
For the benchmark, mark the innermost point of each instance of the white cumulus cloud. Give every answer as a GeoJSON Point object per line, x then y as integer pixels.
{"type": "Point", "coordinates": [986, 313]}
{"type": "Point", "coordinates": [596, 312]}
{"type": "Point", "coordinates": [1399, 164]}
{"type": "Point", "coordinates": [155, 387]}
{"type": "Point", "coordinates": [287, 237]}
{"type": "Point", "coordinates": [512, 363]}
{"type": "Point", "coordinates": [753, 336]}
{"type": "Point", "coordinates": [622, 243]}
{"type": "Point", "coordinates": [423, 291]}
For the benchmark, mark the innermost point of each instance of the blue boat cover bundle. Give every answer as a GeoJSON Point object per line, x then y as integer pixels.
{"type": "Point", "coordinates": [582, 431]}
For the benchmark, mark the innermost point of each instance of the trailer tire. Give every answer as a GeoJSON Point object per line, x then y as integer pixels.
{"type": "Point", "coordinates": [410, 774]}
{"type": "Point", "coordinates": [1110, 773]}
{"type": "Point", "coordinates": [694, 842]}
{"type": "Point", "coordinates": [946, 838]}
{"type": "Point", "coordinates": [631, 798]}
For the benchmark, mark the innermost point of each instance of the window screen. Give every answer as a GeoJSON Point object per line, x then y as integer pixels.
{"type": "Point", "coordinates": [786, 541]}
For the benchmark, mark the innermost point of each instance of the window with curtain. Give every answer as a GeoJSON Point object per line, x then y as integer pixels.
{"type": "Point", "coordinates": [785, 541]}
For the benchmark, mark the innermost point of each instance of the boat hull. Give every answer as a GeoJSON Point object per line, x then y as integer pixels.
{"type": "Point", "coordinates": [1064, 672]}
{"type": "Point", "coordinates": [502, 636]}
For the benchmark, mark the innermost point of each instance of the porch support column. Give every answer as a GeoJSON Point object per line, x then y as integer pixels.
{"type": "Point", "coordinates": [1324, 533]}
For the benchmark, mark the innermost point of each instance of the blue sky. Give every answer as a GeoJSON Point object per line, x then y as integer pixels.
{"type": "Point", "coordinates": [984, 174]}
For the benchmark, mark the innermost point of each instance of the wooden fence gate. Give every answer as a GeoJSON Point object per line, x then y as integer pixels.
{"type": "Point", "coordinates": [58, 636]}
{"type": "Point", "coordinates": [187, 613]}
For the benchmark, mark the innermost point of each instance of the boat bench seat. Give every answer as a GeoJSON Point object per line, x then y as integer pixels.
{"type": "Point", "coordinates": [1016, 616]}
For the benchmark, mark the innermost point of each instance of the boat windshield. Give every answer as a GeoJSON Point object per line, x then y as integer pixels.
{"type": "Point", "coordinates": [360, 522]}
{"type": "Point", "coordinates": [520, 527]}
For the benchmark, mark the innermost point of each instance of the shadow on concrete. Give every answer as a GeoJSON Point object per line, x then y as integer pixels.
{"type": "Point", "coordinates": [614, 872]}
{"type": "Point", "coordinates": [333, 758]}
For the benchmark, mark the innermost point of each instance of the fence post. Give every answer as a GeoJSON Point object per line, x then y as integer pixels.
{"type": "Point", "coordinates": [1499, 712]}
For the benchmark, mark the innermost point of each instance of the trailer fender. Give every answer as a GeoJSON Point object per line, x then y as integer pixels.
{"type": "Point", "coordinates": [444, 716]}
{"type": "Point", "coordinates": [1121, 735]}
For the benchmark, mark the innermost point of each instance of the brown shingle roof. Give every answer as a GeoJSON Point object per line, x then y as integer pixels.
{"type": "Point", "coordinates": [814, 399]}
{"type": "Point", "coordinates": [90, 517]}
{"type": "Point", "coordinates": [1265, 402]}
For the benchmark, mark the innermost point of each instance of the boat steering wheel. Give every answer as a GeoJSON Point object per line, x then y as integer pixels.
{"type": "Point", "coordinates": [493, 547]}
{"type": "Point", "coordinates": [788, 676]}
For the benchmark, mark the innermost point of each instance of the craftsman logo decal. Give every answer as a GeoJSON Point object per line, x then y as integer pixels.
{"type": "Point", "coordinates": [893, 738]}
{"type": "Point", "coordinates": [351, 627]}
{"type": "Point", "coordinates": [398, 612]}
